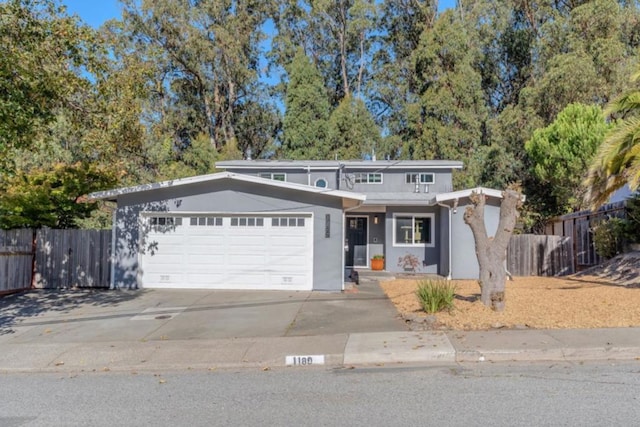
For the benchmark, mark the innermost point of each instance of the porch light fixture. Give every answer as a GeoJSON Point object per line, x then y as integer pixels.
{"type": "Point", "coordinates": [375, 219]}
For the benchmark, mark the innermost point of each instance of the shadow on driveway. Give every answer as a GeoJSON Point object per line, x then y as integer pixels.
{"type": "Point", "coordinates": [16, 308]}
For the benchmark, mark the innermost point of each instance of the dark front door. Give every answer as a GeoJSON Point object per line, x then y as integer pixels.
{"type": "Point", "coordinates": [356, 244]}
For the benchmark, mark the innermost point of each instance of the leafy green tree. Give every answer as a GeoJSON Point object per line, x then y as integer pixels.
{"type": "Point", "coordinates": [395, 82]}
{"type": "Point", "coordinates": [352, 131]}
{"type": "Point", "coordinates": [42, 54]}
{"type": "Point", "coordinates": [562, 152]}
{"type": "Point", "coordinates": [452, 112]}
{"type": "Point", "coordinates": [617, 161]}
{"type": "Point", "coordinates": [337, 35]}
{"type": "Point", "coordinates": [306, 119]}
{"type": "Point", "coordinates": [52, 198]}
{"type": "Point", "coordinates": [206, 57]}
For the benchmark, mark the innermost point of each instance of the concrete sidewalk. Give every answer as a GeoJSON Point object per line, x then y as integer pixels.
{"type": "Point", "coordinates": [356, 349]}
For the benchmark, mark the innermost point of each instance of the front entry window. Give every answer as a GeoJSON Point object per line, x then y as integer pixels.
{"type": "Point", "coordinates": [413, 230]}
{"type": "Point", "coordinates": [356, 242]}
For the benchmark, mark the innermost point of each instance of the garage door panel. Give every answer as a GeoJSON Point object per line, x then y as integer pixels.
{"type": "Point", "coordinates": [288, 241]}
{"type": "Point", "coordinates": [161, 259]}
{"type": "Point", "coordinates": [205, 278]}
{"type": "Point", "coordinates": [247, 261]}
{"type": "Point", "coordinates": [205, 260]}
{"type": "Point", "coordinates": [231, 257]}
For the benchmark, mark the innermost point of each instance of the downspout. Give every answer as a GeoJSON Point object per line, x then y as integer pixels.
{"type": "Point", "coordinates": [309, 175]}
{"type": "Point", "coordinates": [449, 209]}
{"type": "Point", "coordinates": [112, 280]}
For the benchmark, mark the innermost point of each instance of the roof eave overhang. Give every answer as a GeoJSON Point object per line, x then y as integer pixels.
{"type": "Point", "coordinates": [113, 195]}
{"type": "Point", "coordinates": [457, 195]}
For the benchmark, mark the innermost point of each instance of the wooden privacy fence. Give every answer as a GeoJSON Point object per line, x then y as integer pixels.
{"type": "Point", "coordinates": [16, 260]}
{"type": "Point", "coordinates": [579, 226]}
{"type": "Point", "coordinates": [72, 258]}
{"type": "Point", "coordinates": [54, 259]}
{"type": "Point", "coordinates": [540, 255]}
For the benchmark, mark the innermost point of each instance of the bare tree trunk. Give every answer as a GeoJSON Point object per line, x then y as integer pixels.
{"type": "Point", "coordinates": [343, 50]}
{"type": "Point", "coordinates": [361, 70]}
{"type": "Point", "coordinates": [492, 251]}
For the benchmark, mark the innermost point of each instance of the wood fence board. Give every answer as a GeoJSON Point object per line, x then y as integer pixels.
{"type": "Point", "coordinates": [16, 256]}
{"type": "Point", "coordinates": [539, 255]}
{"type": "Point", "coordinates": [73, 258]}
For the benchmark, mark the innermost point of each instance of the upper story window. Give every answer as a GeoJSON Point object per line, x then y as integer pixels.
{"type": "Point", "coordinates": [321, 182]}
{"type": "Point", "coordinates": [422, 178]}
{"type": "Point", "coordinates": [276, 176]}
{"type": "Point", "coordinates": [368, 178]}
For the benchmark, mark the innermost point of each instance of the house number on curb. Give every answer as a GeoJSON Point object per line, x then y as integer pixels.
{"type": "Point", "coordinates": [304, 360]}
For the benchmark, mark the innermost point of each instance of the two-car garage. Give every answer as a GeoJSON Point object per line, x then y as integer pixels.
{"type": "Point", "coordinates": [222, 251]}
{"type": "Point", "coordinates": [229, 231]}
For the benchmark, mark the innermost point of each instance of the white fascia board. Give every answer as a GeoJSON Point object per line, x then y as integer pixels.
{"type": "Point", "coordinates": [409, 168]}
{"type": "Point", "coordinates": [113, 194]}
{"type": "Point", "coordinates": [269, 167]}
{"type": "Point", "coordinates": [445, 197]}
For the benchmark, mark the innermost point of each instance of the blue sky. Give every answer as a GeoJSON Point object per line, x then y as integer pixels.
{"type": "Point", "coordinates": [96, 12]}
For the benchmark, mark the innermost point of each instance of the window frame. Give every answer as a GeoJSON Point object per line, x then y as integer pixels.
{"type": "Point", "coordinates": [413, 217]}
{"type": "Point", "coordinates": [326, 182]}
{"type": "Point", "coordinates": [272, 176]}
{"type": "Point", "coordinates": [357, 177]}
{"type": "Point", "coordinates": [412, 177]}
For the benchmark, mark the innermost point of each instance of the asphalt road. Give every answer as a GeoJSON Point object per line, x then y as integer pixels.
{"type": "Point", "coordinates": [454, 395]}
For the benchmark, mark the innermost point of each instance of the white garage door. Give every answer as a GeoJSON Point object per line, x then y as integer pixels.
{"type": "Point", "coordinates": [228, 252]}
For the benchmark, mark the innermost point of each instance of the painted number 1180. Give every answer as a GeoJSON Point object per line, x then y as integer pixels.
{"type": "Point", "coordinates": [304, 360]}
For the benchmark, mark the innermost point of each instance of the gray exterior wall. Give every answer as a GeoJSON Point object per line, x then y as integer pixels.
{"type": "Point", "coordinates": [463, 258]}
{"type": "Point", "coordinates": [393, 180]}
{"type": "Point", "coordinates": [428, 257]}
{"type": "Point", "coordinates": [228, 196]}
{"type": "Point", "coordinates": [445, 267]}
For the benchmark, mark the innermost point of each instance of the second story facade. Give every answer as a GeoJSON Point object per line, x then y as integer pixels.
{"type": "Point", "coordinates": [378, 179]}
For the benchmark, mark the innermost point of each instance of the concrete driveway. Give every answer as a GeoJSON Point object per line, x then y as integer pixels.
{"type": "Point", "coordinates": [102, 316]}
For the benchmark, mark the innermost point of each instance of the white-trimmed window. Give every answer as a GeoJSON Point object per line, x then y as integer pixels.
{"type": "Point", "coordinates": [165, 220]}
{"type": "Point", "coordinates": [422, 178]}
{"type": "Point", "coordinates": [413, 229]}
{"type": "Point", "coordinates": [368, 178]}
{"type": "Point", "coordinates": [164, 223]}
{"type": "Point", "coordinates": [321, 183]}
{"type": "Point", "coordinates": [287, 222]}
{"type": "Point", "coordinates": [242, 221]}
{"type": "Point", "coordinates": [276, 176]}
{"type": "Point", "coordinates": [206, 221]}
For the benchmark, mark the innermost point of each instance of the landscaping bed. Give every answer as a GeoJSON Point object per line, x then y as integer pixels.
{"type": "Point", "coordinates": [601, 299]}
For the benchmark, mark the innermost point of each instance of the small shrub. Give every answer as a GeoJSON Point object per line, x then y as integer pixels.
{"type": "Point", "coordinates": [608, 237]}
{"type": "Point", "coordinates": [378, 257]}
{"type": "Point", "coordinates": [409, 262]}
{"type": "Point", "coordinates": [436, 295]}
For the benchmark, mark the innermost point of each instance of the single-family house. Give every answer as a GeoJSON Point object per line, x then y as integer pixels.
{"type": "Point", "coordinates": [294, 225]}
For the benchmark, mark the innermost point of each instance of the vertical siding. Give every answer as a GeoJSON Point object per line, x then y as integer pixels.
{"type": "Point", "coordinates": [72, 258]}
{"type": "Point", "coordinates": [16, 256]}
{"type": "Point", "coordinates": [540, 255]}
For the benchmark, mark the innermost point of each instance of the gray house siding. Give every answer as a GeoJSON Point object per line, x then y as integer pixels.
{"type": "Point", "coordinates": [393, 181]}
{"type": "Point", "coordinates": [376, 234]}
{"type": "Point", "coordinates": [444, 242]}
{"type": "Point", "coordinates": [464, 260]}
{"type": "Point", "coordinates": [428, 257]}
{"type": "Point", "coordinates": [228, 196]}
